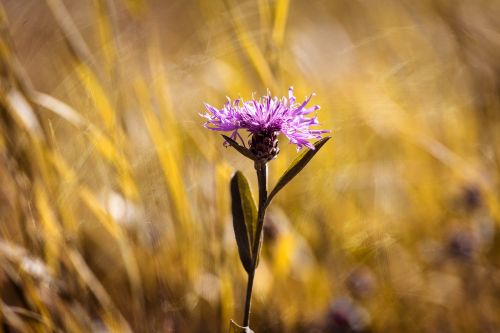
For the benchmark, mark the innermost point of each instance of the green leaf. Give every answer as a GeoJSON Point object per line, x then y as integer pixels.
{"type": "Point", "coordinates": [243, 150]}
{"type": "Point", "coordinates": [235, 328]}
{"type": "Point", "coordinates": [244, 217]}
{"type": "Point", "coordinates": [297, 165]}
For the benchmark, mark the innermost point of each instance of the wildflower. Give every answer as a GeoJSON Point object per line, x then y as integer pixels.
{"type": "Point", "coordinates": [361, 282]}
{"type": "Point", "coordinates": [462, 245]}
{"type": "Point", "coordinates": [346, 316]}
{"type": "Point", "coordinates": [472, 198]}
{"type": "Point", "coordinates": [264, 119]}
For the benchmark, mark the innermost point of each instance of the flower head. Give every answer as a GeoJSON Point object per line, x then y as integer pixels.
{"type": "Point", "coordinates": [264, 119]}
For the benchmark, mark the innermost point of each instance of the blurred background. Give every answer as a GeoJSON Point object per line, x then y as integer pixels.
{"type": "Point", "coordinates": [114, 200]}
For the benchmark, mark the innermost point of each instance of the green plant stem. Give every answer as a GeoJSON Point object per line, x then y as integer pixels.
{"type": "Point", "coordinates": [261, 169]}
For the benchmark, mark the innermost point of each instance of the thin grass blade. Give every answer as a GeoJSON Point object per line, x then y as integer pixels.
{"type": "Point", "coordinates": [235, 328]}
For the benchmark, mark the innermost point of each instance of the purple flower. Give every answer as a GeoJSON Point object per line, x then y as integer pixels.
{"type": "Point", "coordinates": [265, 118]}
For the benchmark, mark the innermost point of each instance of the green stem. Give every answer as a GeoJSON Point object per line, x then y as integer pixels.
{"type": "Point", "coordinates": [261, 169]}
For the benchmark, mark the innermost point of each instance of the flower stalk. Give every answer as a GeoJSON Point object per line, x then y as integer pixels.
{"type": "Point", "coordinates": [261, 169]}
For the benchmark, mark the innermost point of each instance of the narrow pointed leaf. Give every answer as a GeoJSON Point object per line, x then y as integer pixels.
{"type": "Point", "coordinates": [243, 150]}
{"type": "Point", "coordinates": [297, 165]}
{"type": "Point", "coordinates": [244, 217]}
{"type": "Point", "coordinates": [235, 328]}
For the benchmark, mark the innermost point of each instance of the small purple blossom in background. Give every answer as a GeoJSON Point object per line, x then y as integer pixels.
{"type": "Point", "coordinates": [267, 117]}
